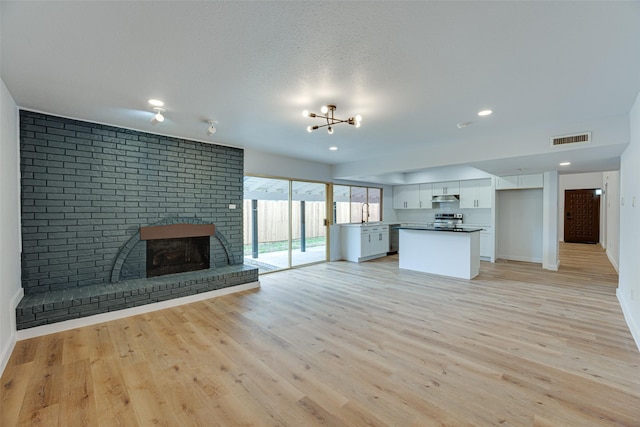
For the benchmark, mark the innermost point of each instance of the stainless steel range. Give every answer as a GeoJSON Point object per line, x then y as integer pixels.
{"type": "Point", "coordinates": [448, 220]}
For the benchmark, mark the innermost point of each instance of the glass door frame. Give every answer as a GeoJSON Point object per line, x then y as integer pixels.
{"type": "Point", "coordinates": [328, 220]}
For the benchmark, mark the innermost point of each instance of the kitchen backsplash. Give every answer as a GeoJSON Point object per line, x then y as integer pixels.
{"type": "Point", "coordinates": [471, 216]}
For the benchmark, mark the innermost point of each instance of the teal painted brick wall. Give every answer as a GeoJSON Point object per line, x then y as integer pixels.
{"type": "Point", "coordinates": [87, 188]}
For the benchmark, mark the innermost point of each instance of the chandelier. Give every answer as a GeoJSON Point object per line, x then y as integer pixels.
{"type": "Point", "coordinates": [328, 110]}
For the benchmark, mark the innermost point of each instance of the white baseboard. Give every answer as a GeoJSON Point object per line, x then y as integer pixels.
{"type": "Point", "coordinates": [521, 259]}
{"type": "Point", "coordinates": [120, 314]}
{"type": "Point", "coordinates": [10, 345]}
{"type": "Point", "coordinates": [6, 353]}
{"type": "Point", "coordinates": [632, 323]}
{"type": "Point", "coordinates": [613, 262]}
{"type": "Point", "coordinates": [552, 267]}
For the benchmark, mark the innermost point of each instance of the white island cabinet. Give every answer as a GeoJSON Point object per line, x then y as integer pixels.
{"type": "Point", "coordinates": [454, 253]}
{"type": "Point", "coordinates": [363, 242]}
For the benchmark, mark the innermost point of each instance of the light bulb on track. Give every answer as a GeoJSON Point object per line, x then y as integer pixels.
{"type": "Point", "coordinates": [211, 129]}
{"type": "Point", "coordinates": [158, 117]}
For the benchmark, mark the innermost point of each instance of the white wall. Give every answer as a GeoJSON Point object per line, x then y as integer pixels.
{"type": "Point", "coordinates": [10, 286]}
{"type": "Point", "coordinates": [578, 181]}
{"type": "Point", "coordinates": [612, 217]}
{"type": "Point", "coordinates": [519, 219]}
{"type": "Point", "coordinates": [550, 245]}
{"type": "Point", "coordinates": [271, 165]}
{"type": "Point", "coordinates": [629, 280]}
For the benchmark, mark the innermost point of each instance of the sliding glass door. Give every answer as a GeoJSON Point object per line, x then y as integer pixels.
{"type": "Point", "coordinates": [284, 223]}
{"type": "Point", "coordinates": [308, 213]}
{"type": "Point", "coordinates": [266, 223]}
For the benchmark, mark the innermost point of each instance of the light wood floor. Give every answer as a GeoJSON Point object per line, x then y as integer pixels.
{"type": "Point", "coordinates": [345, 344]}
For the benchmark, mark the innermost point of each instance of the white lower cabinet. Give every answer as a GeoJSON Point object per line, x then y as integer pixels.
{"type": "Point", "coordinates": [379, 240]}
{"type": "Point", "coordinates": [365, 242]}
{"type": "Point", "coordinates": [486, 243]}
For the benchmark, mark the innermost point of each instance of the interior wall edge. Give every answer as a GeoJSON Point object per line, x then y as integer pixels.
{"type": "Point", "coordinates": [552, 267]}
{"type": "Point", "coordinates": [613, 261]}
{"type": "Point", "coordinates": [634, 327]}
{"type": "Point", "coordinates": [6, 352]}
{"type": "Point", "coordinates": [11, 343]}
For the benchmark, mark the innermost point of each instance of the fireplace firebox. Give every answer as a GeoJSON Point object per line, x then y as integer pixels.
{"type": "Point", "coordinates": [168, 256]}
{"type": "Point", "coordinates": [177, 248]}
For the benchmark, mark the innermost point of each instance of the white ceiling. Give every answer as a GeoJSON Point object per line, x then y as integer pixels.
{"type": "Point", "coordinates": [413, 70]}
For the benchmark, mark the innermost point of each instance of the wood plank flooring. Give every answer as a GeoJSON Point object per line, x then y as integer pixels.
{"type": "Point", "coordinates": [345, 344]}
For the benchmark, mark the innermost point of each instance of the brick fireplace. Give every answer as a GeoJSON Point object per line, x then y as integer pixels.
{"type": "Point", "coordinates": [89, 190]}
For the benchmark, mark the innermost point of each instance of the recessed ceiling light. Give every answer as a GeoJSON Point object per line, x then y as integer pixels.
{"type": "Point", "coordinates": [333, 148]}
{"type": "Point", "coordinates": [485, 113]}
{"type": "Point", "coordinates": [565, 163]}
{"type": "Point", "coordinates": [156, 102]}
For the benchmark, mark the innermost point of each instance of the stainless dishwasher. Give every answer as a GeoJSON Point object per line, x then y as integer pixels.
{"type": "Point", "coordinates": [394, 241]}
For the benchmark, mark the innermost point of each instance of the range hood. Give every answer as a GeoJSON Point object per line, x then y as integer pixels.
{"type": "Point", "coordinates": [446, 199]}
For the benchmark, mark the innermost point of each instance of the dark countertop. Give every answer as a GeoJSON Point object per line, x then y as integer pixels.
{"type": "Point", "coordinates": [451, 230]}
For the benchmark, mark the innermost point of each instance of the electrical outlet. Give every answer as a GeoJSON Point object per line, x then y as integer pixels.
{"type": "Point", "coordinates": [232, 206]}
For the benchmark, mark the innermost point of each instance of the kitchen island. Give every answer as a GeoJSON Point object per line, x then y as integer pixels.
{"type": "Point", "coordinates": [451, 252]}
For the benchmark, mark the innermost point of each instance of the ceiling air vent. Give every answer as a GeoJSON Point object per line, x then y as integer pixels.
{"type": "Point", "coordinates": [571, 139]}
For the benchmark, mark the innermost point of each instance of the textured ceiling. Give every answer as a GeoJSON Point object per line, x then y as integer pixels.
{"type": "Point", "coordinates": [413, 70]}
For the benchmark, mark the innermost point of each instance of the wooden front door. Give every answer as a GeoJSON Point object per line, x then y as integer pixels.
{"type": "Point", "coordinates": [581, 216]}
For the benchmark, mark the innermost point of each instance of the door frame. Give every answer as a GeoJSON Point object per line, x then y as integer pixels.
{"type": "Point", "coordinates": [327, 222]}
{"type": "Point", "coordinates": [596, 218]}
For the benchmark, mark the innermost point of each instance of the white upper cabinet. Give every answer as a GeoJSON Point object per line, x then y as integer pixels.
{"type": "Point", "coordinates": [516, 182]}
{"type": "Point", "coordinates": [507, 182]}
{"type": "Point", "coordinates": [531, 181]}
{"type": "Point", "coordinates": [475, 194]}
{"type": "Point", "coordinates": [414, 196]}
{"type": "Point", "coordinates": [406, 196]}
{"type": "Point", "coordinates": [445, 188]}
{"type": "Point", "coordinates": [425, 196]}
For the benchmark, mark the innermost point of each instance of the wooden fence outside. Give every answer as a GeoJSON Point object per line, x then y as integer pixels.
{"type": "Point", "coordinates": [273, 223]}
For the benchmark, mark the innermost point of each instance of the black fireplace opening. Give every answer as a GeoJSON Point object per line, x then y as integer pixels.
{"type": "Point", "coordinates": [179, 255]}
